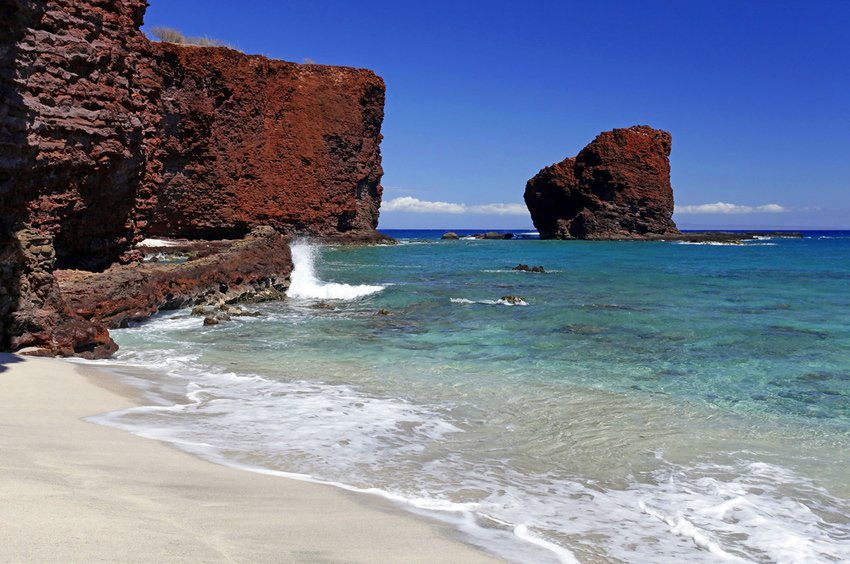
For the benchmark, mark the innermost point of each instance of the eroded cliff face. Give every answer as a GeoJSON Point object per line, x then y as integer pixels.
{"type": "Point", "coordinates": [618, 187]}
{"type": "Point", "coordinates": [106, 138]}
{"type": "Point", "coordinates": [245, 140]}
{"type": "Point", "coordinates": [74, 96]}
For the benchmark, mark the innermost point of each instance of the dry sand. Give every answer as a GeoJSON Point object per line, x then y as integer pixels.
{"type": "Point", "coordinates": [74, 491]}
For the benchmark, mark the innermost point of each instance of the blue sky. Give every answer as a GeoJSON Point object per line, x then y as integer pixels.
{"type": "Point", "coordinates": [481, 95]}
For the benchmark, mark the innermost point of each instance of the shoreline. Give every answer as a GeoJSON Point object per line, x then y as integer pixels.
{"type": "Point", "coordinates": [75, 490]}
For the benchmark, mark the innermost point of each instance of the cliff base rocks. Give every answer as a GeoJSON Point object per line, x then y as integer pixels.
{"type": "Point", "coordinates": [253, 269]}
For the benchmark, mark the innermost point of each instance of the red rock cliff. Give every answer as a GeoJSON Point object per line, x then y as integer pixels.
{"type": "Point", "coordinates": [245, 140]}
{"type": "Point", "coordinates": [106, 137]}
{"type": "Point", "coordinates": [618, 187]}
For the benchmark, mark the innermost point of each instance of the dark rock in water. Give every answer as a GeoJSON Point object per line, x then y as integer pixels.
{"type": "Point", "coordinates": [222, 316]}
{"type": "Point", "coordinates": [210, 320]}
{"type": "Point", "coordinates": [323, 305]}
{"type": "Point", "coordinates": [383, 311]}
{"type": "Point", "coordinates": [730, 237]}
{"type": "Point", "coordinates": [525, 268]}
{"type": "Point", "coordinates": [582, 329]}
{"type": "Point", "coordinates": [236, 311]}
{"type": "Point", "coordinates": [493, 235]}
{"type": "Point", "coordinates": [451, 235]}
{"type": "Point", "coordinates": [513, 300]}
{"type": "Point", "coordinates": [201, 310]}
{"type": "Point", "coordinates": [618, 187]}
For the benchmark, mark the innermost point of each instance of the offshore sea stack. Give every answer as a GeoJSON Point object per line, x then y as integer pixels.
{"type": "Point", "coordinates": [618, 187]}
{"type": "Point", "coordinates": [107, 138]}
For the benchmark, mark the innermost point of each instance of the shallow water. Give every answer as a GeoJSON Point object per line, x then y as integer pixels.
{"type": "Point", "coordinates": [648, 402]}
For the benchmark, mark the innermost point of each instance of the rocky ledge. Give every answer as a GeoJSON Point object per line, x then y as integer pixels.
{"type": "Point", "coordinates": [618, 187]}
{"type": "Point", "coordinates": [252, 269]}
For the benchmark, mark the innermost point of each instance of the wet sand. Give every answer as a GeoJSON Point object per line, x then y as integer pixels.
{"type": "Point", "coordinates": [74, 491]}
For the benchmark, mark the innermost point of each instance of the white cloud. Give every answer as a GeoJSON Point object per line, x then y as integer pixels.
{"type": "Point", "coordinates": [726, 208]}
{"type": "Point", "coordinates": [415, 205]}
{"type": "Point", "coordinates": [499, 209]}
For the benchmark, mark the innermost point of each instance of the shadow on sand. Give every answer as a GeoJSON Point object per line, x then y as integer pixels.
{"type": "Point", "coordinates": [6, 359]}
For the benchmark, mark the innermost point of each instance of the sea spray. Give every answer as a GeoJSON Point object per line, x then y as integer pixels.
{"type": "Point", "coordinates": [305, 284]}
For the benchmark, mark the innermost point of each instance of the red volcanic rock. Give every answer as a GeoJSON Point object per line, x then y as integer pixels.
{"type": "Point", "coordinates": [618, 187]}
{"type": "Point", "coordinates": [76, 88]}
{"type": "Point", "coordinates": [75, 92]}
{"type": "Point", "coordinates": [252, 269]}
{"type": "Point", "coordinates": [41, 318]}
{"type": "Point", "coordinates": [106, 137]}
{"type": "Point", "coordinates": [247, 141]}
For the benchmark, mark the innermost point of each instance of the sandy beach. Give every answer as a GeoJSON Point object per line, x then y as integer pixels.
{"type": "Point", "coordinates": [75, 491]}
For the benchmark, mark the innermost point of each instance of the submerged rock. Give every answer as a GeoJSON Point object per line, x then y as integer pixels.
{"type": "Point", "coordinates": [525, 268]}
{"type": "Point", "coordinates": [513, 300]}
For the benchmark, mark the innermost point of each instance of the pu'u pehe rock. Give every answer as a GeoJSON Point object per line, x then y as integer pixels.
{"type": "Point", "coordinates": [106, 138]}
{"type": "Point", "coordinates": [618, 187]}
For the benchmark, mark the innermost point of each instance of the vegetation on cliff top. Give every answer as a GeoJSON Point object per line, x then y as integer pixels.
{"type": "Point", "coordinates": [171, 35]}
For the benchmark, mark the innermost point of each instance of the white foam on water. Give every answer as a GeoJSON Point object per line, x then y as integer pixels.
{"type": "Point", "coordinates": [703, 511]}
{"type": "Point", "coordinates": [335, 434]}
{"type": "Point", "coordinates": [305, 284]}
{"type": "Point", "coordinates": [157, 243]}
{"type": "Point", "coordinates": [519, 302]}
{"type": "Point", "coordinates": [711, 243]}
{"type": "Point", "coordinates": [514, 271]}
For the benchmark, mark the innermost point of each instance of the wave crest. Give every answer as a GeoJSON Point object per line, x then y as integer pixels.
{"type": "Point", "coordinates": [305, 284]}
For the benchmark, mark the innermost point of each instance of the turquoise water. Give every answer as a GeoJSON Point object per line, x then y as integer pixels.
{"type": "Point", "coordinates": [648, 402]}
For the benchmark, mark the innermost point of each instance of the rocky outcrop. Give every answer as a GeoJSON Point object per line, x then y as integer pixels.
{"type": "Point", "coordinates": [73, 85]}
{"type": "Point", "coordinates": [618, 187]}
{"type": "Point", "coordinates": [252, 269]}
{"type": "Point", "coordinates": [41, 317]}
{"type": "Point", "coordinates": [106, 138]}
{"type": "Point", "coordinates": [246, 141]}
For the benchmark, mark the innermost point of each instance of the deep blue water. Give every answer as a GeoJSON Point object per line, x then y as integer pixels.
{"type": "Point", "coordinates": [646, 401]}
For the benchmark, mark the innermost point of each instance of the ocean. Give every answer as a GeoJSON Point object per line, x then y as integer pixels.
{"type": "Point", "coordinates": [636, 402]}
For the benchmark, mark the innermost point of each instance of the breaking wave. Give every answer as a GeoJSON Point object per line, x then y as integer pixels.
{"type": "Point", "coordinates": [305, 284]}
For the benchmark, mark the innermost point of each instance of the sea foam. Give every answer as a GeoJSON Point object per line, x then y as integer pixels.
{"type": "Point", "coordinates": [305, 284]}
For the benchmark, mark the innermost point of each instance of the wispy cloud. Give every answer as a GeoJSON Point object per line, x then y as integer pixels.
{"type": "Point", "coordinates": [499, 209]}
{"type": "Point", "coordinates": [415, 205]}
{"type": "Point", "coordinates": [726, 208]}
